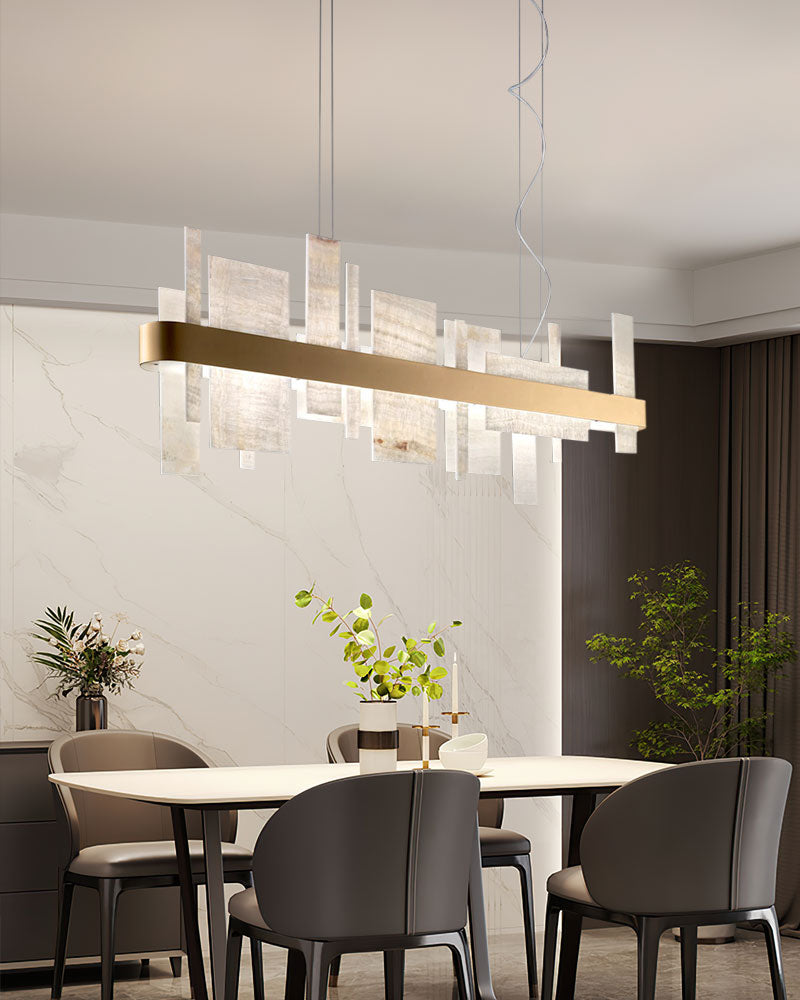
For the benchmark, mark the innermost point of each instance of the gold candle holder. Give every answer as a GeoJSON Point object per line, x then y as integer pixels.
{"type": "Point", "coordinates": [426, 732]}
{"type": "Point", "coordinates": [454, 717]}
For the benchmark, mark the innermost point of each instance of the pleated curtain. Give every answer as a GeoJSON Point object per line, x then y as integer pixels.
{"type": "Point", "coordinates": [759, 542]}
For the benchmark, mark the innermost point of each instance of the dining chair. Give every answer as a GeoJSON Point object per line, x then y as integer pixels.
{"type": "Point", "coordinates": [374, 863]}
{"type": "Point", "coordinates": [112, 844]}
{"type": "Point", "coordinates": [500, 848]}
{"type": "Point", "coordinates": [684, 847]}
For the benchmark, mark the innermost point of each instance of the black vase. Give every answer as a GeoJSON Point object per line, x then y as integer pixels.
{"type": "Point", "coordinates": [91, 712]}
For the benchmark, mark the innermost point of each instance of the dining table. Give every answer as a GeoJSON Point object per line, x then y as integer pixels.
{"type": "Point", "coordinates": [215, 790]}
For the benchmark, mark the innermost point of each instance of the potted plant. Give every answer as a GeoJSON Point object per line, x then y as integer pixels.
{"type": "Point", "coordinates": [385, 673]}
{"type": "Point", "coordinates": [85, 658]}
{"type": "Point", "coordinates": [705, 689]}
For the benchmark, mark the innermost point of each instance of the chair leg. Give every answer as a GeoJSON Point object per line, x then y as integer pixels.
{"type": "Point", "coordinates": [571, 927]}
{"type": "Point", "coordinates": [336, 968]}
{"type": "Point", "coordinates": [462, 966]}
{"type": "Point", "coordinates": [66, 890]}
{"type": "Point", "coordinates": [689, 963]}
{"type": "Point", "coordinates": [295, 975]}
{"type": "Point", "coordinates": [257, 962]}
{"type": "Point", "coordinates": [550, 942]}
{"type": "Point", "coordinates": [317, 966]}
{"type": "Point", "coordinates": [233, 961]}
{"type": "Point", "coordinates": [394, 974]}
{"type": "Point", "coordinates": [773, 935]}
{"type": "Point", "coordinates": [109, 894]}
{"type": "Point", "coordinates": [523, 866]}
{"type": "Point", "coordinates": [648, 935]}
{"type": "Point", "coordinates": [176, 964]}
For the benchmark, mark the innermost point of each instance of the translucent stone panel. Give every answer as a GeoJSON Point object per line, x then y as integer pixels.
{"type": "Point", "coordinates": [541, 424]}
{"type": "Point", "coordinates": [554, 358]}
{"type": "Point", "coordinates": [624, 376]}
{"type": "Point", "coordinates": [249, 410]}
{"type": "Point", "coordinates": [351, 398]}
{"type": "Point", "coordinates": [193, 279]}
{"type": "Point", "coordinates": [403, 427]}
{"type": "Point", "coordinates": [318, 400]}
{"type": "Point", "coordinates": [470, 447]}
{"type": "Point", "coordinates": [523, 462]}
{"type": "Point", "coordinates": [180, 438]}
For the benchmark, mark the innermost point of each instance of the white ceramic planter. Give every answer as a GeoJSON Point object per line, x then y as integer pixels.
{"type": "Point", "coordinates": [378, 736]}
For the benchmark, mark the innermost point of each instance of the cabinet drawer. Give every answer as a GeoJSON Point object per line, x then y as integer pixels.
{"type": "Point", "coordinates": [25, 793]}
{"type": "Point", "coordinates": [28, 856]}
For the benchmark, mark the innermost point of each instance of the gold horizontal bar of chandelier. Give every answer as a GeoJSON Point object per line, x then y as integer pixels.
{"type": "Point", "coordinates": [208, 345]}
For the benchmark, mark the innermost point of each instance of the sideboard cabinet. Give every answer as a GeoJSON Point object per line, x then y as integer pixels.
{"type": "Point", "coordinates": [149, 921]}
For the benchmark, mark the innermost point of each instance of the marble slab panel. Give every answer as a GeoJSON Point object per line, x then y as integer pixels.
{"type": "Point", "coordinates": [622, 358]}
{"type": "Point", "coordinates": [351, 398]}
{"type": "Point", "coordinates": [318, 400]}
{"type": "Point", "coordinates": [193, 278]}
{"type": "Point", "coordinates": [249, 410]}
{"type": "Point", "coordinates": [403, 427]}
{"type": "Point", "coordinates": [180, 437]}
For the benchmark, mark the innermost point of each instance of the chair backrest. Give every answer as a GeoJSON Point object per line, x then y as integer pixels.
{"type": "Point", "coordinates": [104, 819]}
{"type": "Point", "coordinates": [374, 855]}
{"type": "Point", "coordinates": [342, 747]}
{"type": "Point", "coordinates": [696, 838]}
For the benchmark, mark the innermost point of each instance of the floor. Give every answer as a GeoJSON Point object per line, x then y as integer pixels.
{"type": "Point", "coordinates": [607, 971]}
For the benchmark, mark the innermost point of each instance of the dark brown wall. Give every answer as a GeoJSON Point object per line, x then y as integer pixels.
{"type": "Point", "coordinates": [623, 513]}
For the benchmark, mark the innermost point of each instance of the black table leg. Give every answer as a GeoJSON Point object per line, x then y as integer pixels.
{"type": "Point", "coordinates": [583, 804]}
{"type": "Point", "coordinates": [194, 950]}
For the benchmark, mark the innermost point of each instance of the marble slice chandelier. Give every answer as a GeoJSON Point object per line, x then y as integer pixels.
{"type": "Point", "coordinates": [252, 362]}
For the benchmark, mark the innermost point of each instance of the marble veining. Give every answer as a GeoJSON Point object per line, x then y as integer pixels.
{"type": "Point", "coordinates": [207, 565]}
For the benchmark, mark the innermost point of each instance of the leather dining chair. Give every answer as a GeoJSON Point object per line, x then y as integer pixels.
{"type": "Point", "coordinates": [687, 846]}
{"type": "Point", "coordinates": [500, 848]}
{"type": "Point", "coordinates": [318, 894]}
{"type": "Point", "coordinates": [114, 844]}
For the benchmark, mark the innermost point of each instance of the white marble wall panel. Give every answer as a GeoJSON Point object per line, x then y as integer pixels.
{"type": "Point", "coordinates": [207, 567]}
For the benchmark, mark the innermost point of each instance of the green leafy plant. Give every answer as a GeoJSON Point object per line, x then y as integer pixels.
{"type": "Point", "coordinates": [384, 672]}
{"type": "Point", "coordinates": [85, 657]}
{"type": "Point", "coordinates": [675, 657]}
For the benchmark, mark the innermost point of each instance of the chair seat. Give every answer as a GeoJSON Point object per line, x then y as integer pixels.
{"type": "Point", "coordinates": [244, 906]}
{"type": "Point", "coordinates": [570, 884]}
{"type": "Point", "coordinates": [497, 842]}
{"type": "Point", "coordinates": [150, 857]}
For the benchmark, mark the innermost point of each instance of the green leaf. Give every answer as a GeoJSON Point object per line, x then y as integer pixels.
{"type": "Point", "coordinates": [365, 602]}
{"type": "Point", "coordinates": [416, 691]}
{"type": "Point", "coordinates": [302, 598]}
{"type": "Point", "coordinates": [456, 624]}
{"type": "Point", "coordinates": [330, 616]}
{"type": "Point", "coordinates": [435, 691]}
{"type": "Point", "coordinates": [360, 624]}
{"type": "Point", "coordinates": [388, 652]}
{"type": "Point", "coordinates": [365, 637]}
{"type": "Point", "coordinates": [362, 669]}
{"type": "Point", "coordinates": [431, 627]}
{"type": "Point", "coordinates": [351, 684]}
{"type": "Point", "coordinates": [438, 646]}
{"type": "Point", "coordinates": [438, 673]}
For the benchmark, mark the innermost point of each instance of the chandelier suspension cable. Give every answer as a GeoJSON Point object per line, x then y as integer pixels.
{"type": "Point", "coordinates": [516, 91]}
{"type": "Point", "coordinates": [330, 118]}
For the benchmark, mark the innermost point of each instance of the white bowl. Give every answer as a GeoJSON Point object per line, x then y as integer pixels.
{"type": "Point", "coordinates": [465, 753]}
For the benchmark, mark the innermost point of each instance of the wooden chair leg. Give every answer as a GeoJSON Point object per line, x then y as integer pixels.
{"type": "Point", "coordinates": [648, 935]}
{"type": "Point", "coordinates": [462, 966]}
{"type": "Point", "coordinates": [336, 968]}
{"type": "Point", "coordinates": [233, 961]}
{"type": "Point", "coordinates": [109, 894]}
{"type": "Point", "coordinates": [523, 866]}
{"type": "Point", "coordinates": [394, 974]}
{"type": "Point", "coordinates": [66, 890]}
{"type": "Point", "coordinates": [550, 943]}
{"type": "Point", "coordinates": [257, 963]}
{"type": "Point", "coordinates": [772, 933]}
{"type": "Point", "coordinates": [317, 967]}
{"type": "Point", "coordinates": [689, 963]}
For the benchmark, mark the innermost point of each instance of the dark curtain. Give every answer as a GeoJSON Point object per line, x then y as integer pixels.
{"type": "Point", "coordinates": [759, 544]}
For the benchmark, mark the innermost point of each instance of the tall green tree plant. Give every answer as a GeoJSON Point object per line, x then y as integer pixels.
{"type": "Point", "coordinates": [674, 655]}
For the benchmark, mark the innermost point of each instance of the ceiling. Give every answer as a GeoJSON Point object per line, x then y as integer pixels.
{"type": "Point", "coordinates": [673, 128]}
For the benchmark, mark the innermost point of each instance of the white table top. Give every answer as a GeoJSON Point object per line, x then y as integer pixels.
{"type": "Point", "coordinates": [276, 784]}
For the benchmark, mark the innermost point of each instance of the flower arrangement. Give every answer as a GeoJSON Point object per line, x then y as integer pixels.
{"type": "Point", "coordinates": [86, 657]}
{"type": "Point", "coordinates": [385, 673]}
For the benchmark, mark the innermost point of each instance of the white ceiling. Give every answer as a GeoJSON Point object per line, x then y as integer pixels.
{"type": "Point", "coordinates": [673, 127]}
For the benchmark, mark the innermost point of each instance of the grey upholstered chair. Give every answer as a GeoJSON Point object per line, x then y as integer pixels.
{"type": "Point", "coordinates": [687, 846]}
{"type": "Point", "coordinates": [113, 844]}
{"type": "Point", "coordinates": [500, 848]}
{"type": "Point", "coordinates": [379, 862]}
